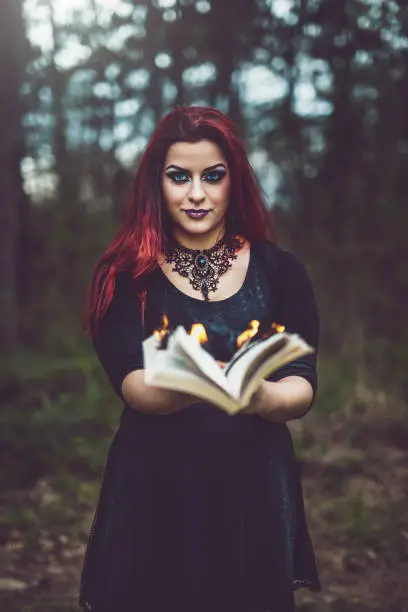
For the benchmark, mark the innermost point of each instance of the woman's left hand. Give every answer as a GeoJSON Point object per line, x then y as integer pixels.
{"type": "Point", "coordinates": [281, 401]}
{"type": "Point", "coordinates": [257, 401]}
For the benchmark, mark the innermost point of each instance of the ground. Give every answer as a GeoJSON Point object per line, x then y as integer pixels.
{"type": "Point", "coordinates": [355, 479]}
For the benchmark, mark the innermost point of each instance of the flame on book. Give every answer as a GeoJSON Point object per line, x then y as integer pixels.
{"type": "Point", "coordinates": [279, 329]}
{"type": "Point", "coordinates": [198, 333]}
{"type": "Point", "coordinates": [254, 332]}
{"type": "Point", "coordinates": [164, 329]}
{"type": "Point", "coordinates": [248, 333]}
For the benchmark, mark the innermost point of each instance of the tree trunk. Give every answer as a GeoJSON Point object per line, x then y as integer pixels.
{"type": "Point", "coordinates": [12, 49]}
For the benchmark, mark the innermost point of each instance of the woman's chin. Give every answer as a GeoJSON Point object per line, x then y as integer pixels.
{"type": "Point", "coordinates": [198, 227]}
{"type": "Point", "coordinates": [195, 231]}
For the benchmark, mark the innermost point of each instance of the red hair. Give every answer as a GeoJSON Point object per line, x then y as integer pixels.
{"type": "Point", "coordinates": [146, 230]}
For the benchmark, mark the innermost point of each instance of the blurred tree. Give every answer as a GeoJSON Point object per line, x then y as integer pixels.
{"type": "Point", "coordinates": [67, 192]}
{"type": "Point", "coordinates": [334, 126]}
{"type": "Point", "coordinates": [230, 38]}
{"type": "Point", "coordinates": [346, 184]}
{"type": "Point", "coordinates": [13, 48]}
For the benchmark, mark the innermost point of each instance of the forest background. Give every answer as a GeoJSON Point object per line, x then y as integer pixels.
{"type": "Point", "coordinates": [319, 89]}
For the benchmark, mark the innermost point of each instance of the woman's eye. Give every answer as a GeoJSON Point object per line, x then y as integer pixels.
{"type": "Point", "coordinates": [214, 177]}
{"type": "Point", "coordinates": [178, 177]}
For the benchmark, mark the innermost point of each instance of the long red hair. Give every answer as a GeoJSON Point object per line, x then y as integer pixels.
{"type": "Point", "coordinates": [146, 229]}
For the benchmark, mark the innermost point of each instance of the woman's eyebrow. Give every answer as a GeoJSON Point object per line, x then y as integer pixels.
{"type": "Point", "coordinates": [181, 169]}
{"type": "Point", "coordinates": [219, 165]}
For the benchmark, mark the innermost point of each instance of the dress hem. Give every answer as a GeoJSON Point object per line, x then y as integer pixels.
{"type": "Point", "coordinates": [297, 585]}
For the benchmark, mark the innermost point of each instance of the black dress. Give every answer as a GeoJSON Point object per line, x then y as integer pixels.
{"type": "Point", "coordinates": [200, 511]}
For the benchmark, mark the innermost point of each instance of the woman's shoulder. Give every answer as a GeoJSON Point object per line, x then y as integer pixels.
{"type": "Point", "coordinates": [276, 257]}
{"type": "Point", "coordinates": [118, 288]}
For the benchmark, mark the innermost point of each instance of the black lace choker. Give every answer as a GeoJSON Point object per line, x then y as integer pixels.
{"type": "Point", "coordinates": [203, 267]}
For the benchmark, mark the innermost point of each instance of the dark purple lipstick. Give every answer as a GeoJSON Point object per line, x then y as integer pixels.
{"type": "Point", "coordinates": [196, 214]}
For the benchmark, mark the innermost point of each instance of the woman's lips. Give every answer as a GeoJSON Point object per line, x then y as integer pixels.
{"type": "Point", "coordinates": [197, 214]}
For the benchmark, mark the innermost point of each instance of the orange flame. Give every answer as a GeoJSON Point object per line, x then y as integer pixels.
{"type": "Point", "coordinates": [160, 333]}
{"type": "Point", "coordinates": [279, 329]}
{"type": "Point", "coordinates": [198, 333]}
{"type": "Point", "coordinates": [248, 333]}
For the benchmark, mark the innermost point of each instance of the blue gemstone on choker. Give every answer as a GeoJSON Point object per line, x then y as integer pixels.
{"type": "Point", "coordinates": [201, 261]}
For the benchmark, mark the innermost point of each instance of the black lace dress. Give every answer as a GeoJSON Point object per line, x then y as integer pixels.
{"type": "Point", "coordinates": [200, 511]}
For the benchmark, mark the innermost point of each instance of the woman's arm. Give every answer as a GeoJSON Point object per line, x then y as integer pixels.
{"type": "Point", "coordinates": [289, 392]}
{"type": "Point", "coordinates": [152, 400]}
{"type": "Point", "coordinates": [118, 345]}
{"type": "Point", "coordinates": [286, 399]}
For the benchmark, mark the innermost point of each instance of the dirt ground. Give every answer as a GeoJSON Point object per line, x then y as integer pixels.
{"type": "Point", "coordinates": [355, 480]}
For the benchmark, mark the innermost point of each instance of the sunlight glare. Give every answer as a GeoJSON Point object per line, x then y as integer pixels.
{"type": "Point", "coordinates": [64, 10]}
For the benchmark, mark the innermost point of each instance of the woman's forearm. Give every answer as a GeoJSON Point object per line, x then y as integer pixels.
{"type": "Point", "coordinates": [152, 400]}
{"type": "Point", "coordinates": [283, 400]}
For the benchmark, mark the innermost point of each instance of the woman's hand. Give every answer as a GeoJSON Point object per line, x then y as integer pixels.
{"type": "Point", "coordinates": [281, 401]}
{"type": "Point", "coordinates": [257, 402]}
{"type": "Point", "coordinates": [153, 400]}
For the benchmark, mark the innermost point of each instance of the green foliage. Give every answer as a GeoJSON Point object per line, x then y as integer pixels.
{"type": "Point", "coordinates": [335, 385]}
{"type": "Point", "coordinates": [61, 259]}
{"type": "Point", "coordinates": [58, 418]}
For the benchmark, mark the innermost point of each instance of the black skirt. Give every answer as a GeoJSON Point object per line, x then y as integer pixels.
{"type": "Point", "coordinates": [194, 528]}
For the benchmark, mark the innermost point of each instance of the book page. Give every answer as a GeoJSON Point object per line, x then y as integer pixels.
{"type": "Point", "coordinates": [181, 341]}
{"type": "Point", "coordinates": [237, 368]}
{"type": "Point", "coordinates": [262, 359]}
{"type": "Point", "coordinates": [261, 368]}
{"type": "Point", "coordinates": [192, 385]}
{"type": "Point", "coordinates": [174, 370]}
{"type": "Point", "coordinates": [186, 366]}
{"type": "Point", "coordinates": [156, 359]}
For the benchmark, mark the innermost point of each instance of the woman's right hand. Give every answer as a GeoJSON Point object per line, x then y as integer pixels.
{"type": "Point", "coordinates": [153, 400]}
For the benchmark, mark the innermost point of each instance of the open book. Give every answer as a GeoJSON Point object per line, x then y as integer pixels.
{"type": "Point", "coordinates": [184, 365]}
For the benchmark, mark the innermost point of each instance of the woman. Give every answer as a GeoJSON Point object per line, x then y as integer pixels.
{"type": "Point", "coordinates": [199, 511]}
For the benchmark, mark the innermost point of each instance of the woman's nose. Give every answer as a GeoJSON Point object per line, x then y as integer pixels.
{"type": "Point", "coordinates": [196, 194]}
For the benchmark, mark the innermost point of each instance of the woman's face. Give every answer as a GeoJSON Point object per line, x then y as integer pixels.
{"type": "Point", "coordinates": [196, 188]}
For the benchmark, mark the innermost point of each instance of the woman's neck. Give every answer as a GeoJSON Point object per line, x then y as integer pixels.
{"type": "Point", "coordinates": [198, 242]}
